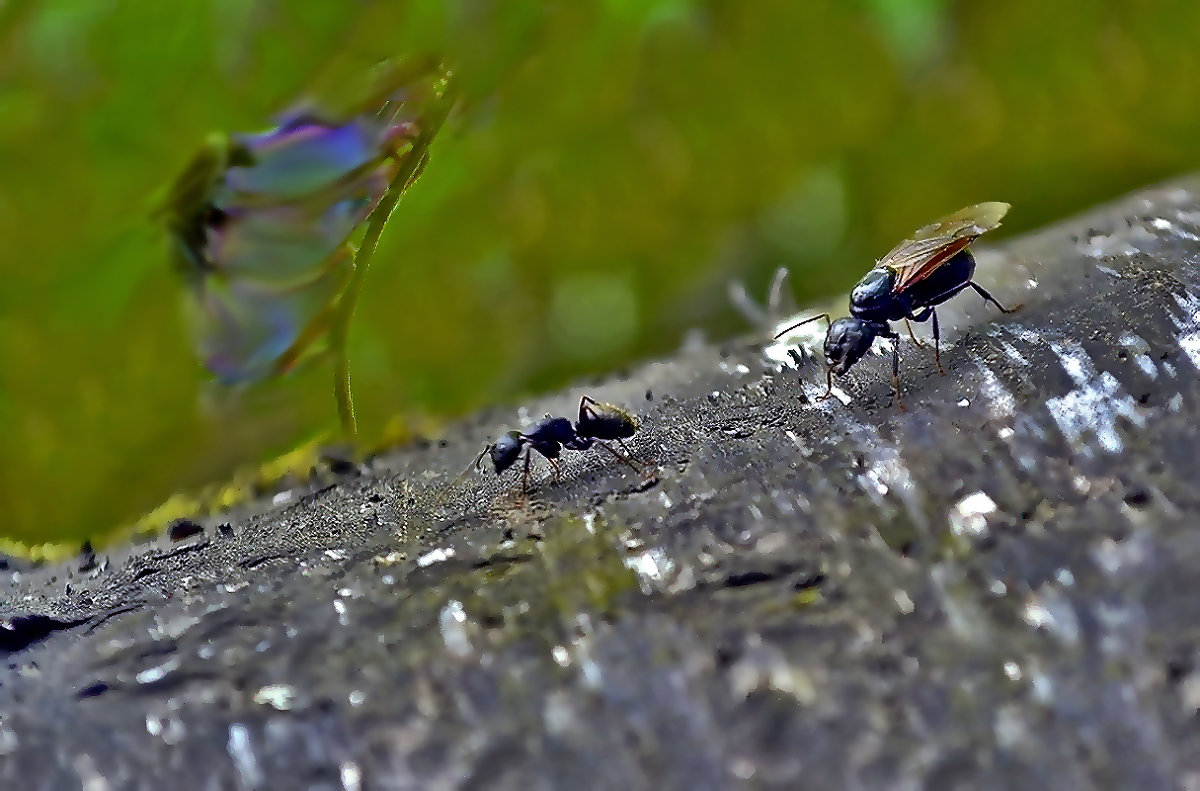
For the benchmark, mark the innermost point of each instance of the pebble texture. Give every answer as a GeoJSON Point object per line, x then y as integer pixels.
{"type": "Point", "coordinates": [996, 588]}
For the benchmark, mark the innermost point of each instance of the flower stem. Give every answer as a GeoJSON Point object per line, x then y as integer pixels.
{"type": "Point", "coordinates": [411, 167]}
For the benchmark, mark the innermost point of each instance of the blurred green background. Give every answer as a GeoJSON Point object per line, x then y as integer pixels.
{"type": "Point", "coordinates": [612, 166]}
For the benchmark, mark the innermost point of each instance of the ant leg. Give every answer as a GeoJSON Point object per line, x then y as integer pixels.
{"type": "Point", "coordinates": [981, 291]}
{"type": "Point", "coordinates": [649, 465]}
{"type": "Point", "coordinates": [937, 348]}
{"type": "Point", "coordinates": [557, 470]}
{"type": "Point", "coordinates": [586, 402]}
{"type": "Point", "coordinates": [525, 475]}
{"type": "Point", "coordinates": [621, 456]}
{"type": "Point", "coordinates": [895, 339]}
{"type": "Point", "coordinates": [828, 385]}
{"type": "Point", "coordinates": [920, 343]}
{"type": "Point", "coordinates": [925, 315]}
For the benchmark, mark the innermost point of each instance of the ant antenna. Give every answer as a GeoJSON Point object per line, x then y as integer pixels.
{"type": "Point", "coordinates": [479, 458]}
{"type": "Point", "coordinates": [801, 323]}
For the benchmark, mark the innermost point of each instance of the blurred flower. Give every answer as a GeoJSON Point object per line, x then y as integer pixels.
{"type": "Point", "coordinates": [261, 226]}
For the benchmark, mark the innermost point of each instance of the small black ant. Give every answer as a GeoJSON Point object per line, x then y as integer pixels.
{"type": "Point", "coordinates": [596, 422]}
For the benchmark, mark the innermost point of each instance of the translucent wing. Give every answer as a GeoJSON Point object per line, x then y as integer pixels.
{"type": "Point", "coordinates": [248, 330]}
{"type": "Point", "coordinates": [261, 224]}
{"type": "Point", "coordinates": [916, 258]}
{"type": "Point", "coordinates": [263, 243]}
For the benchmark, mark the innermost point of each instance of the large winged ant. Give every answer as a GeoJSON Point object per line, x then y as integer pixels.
{"type": "Point", "coordinates": [908, 284]}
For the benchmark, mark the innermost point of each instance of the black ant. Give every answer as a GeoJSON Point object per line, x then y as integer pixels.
{"type": "Point", "coordinates": [597, 421]}
{"type": "Point", "coordinates": [908, 284]}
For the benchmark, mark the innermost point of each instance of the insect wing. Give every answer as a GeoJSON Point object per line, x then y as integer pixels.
{"type": "Point", "coordinates": [284, 246]}
{"type": "Point", "coordinates": [262, 244]}
{"type": "Point", "coordinates": [916, 258]}
{"type": "Point", "coordinates": [260, 224]}
{"type": "Point", "coordinates": [248, 331]}
{"type": "Point", "coordinates": [302, 157]}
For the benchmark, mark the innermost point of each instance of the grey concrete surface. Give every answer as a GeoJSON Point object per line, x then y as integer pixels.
{"type": "Point", "coordinates": [995, 588]}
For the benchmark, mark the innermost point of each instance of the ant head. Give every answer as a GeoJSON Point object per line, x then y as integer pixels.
{"type": "Point", "coordinates": [846, 342]}
{"type": "Point", "coordinates": [503, 452]}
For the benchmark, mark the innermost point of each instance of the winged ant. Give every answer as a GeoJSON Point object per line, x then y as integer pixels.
{"type": "Point", "coordinates": [908, 284]}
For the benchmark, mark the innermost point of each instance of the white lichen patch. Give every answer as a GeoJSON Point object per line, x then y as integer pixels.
{"type": "Point", "coordinates": [1174, 229]}
{"type": "Point", "coordinates": [652, 567]}
{"type": "Point", "coordinates": [280, 697]}
{"type": "Point", "coordinates": [1087, 416]}
{"type": "Point", "coordinates": [885, 471]}
{"type": "Point", "coordinates": [1051, 611]}
{"type": "Point", "coordinates": [435, 556]}
{"type": "Point", "coordinates": [969, 515]}
{"type": "Point", "coordinates": [1010, 351]}
{"type": "Point", "coordinates": [452, 622]}
{"type": "Point", "coordinates": [1188, 325]}
{"type": "Point", "coordinates": [1139, 350]}
{"type": "Point", "coordinates": [1123, 242]}
{"type": "Point", "coordinates": [999, 399]}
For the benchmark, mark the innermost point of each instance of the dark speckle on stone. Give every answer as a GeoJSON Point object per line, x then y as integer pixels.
{"type": "Point", "coordinates": [93, 690]}
{"type": "Point", "coordinates": [748, 578]}
{"type": "Point", "coordinates": [1138, 498]}
{"type": "Point", "coordinates": [21, 631]}
{"type": "Point", "coordinates": [180, 529]}
{"type": "Point", "coordinates": [1179, 666]}
{"type": "Point", "coordinates": [87, 558]}
{"type": "Point", "coordinates": [143, 573]}
{"type": "Point", "coordinates": [338, 460]}
{"type": "Point", "coordinates": [809, 581]}
{"type": "Point", "coordinates": [225, 529]}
